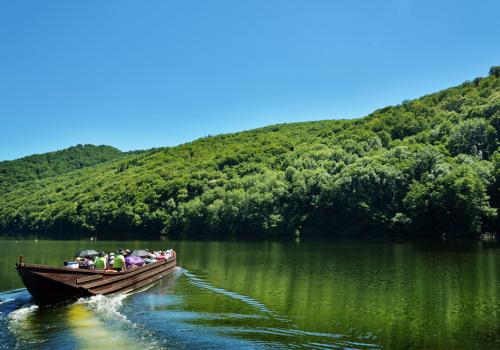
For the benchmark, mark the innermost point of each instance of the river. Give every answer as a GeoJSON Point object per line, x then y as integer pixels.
{"type": "Point", "coordinates": [260, 295]}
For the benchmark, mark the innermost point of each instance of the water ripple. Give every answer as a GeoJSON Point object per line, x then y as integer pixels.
{"type": "Point", "coordinates": [198, 282]}
{"type": "Point", "coordinates": [275, 336]}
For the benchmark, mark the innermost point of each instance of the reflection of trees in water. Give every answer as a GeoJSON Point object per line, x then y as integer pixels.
{"type": "Point", "coordinates": [401, 293]}
{"type": "Point", "coordinates": [420, 295]}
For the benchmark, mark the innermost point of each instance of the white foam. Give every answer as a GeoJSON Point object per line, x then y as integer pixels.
{"type": "Point", "coordinates": [90, 325]}
{"type": "Point", "coordinates": [6, 301]}
{"type": "Point", "coordinates": [19, 324]}
{"type": "Point", "coordinates": [107, 307]}
{"type": "Point", "coordinates": [21, 314]}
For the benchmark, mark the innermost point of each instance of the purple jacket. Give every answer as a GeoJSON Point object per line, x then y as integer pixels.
{"type": "Point", "coordinates": [133, 260]}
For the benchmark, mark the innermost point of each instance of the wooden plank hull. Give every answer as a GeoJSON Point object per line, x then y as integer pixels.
{"type": "Point", "coordinates": [50, 285]}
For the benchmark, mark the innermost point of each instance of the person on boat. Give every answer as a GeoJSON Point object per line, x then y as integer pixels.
{"type": "Point", "coordinates": [119, 261]}
{"type": "Point", "coordinates": [161, 255]}
{"type": "Point", "coordinates": [133, 261]}
{"type": "Point", "coordinates": [148, 260]}
{"type": "Point", "coordinates": [169, 253]}
{"type": "Point", "coordinates": [86, 263]}
{"type": "Point", "coordinates": [71, 264]}
{"type": "Point", "coordinates": [111, 260]}
{"type": "Point", "coordinates": [100, 261]}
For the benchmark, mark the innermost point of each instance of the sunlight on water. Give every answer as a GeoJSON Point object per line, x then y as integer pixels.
{"type": "Point", "coordinates": [240, 295]}
{"type": "Point", "coordinates": [105, 306]}
{"type": "Point", "coordinates": [93, 333]}
{"type": "Point", "coordinates": [97, 322]}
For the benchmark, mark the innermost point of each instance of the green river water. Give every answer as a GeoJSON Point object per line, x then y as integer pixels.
{"type": "Point", "coordinates": [260, 295]}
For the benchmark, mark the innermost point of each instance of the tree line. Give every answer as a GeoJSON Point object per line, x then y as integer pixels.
{"type": "Point", "coordinates": [425, 167]}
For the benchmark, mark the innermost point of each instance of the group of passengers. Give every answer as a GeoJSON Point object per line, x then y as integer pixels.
{"type": "Point", "coordinates": [119, 261]}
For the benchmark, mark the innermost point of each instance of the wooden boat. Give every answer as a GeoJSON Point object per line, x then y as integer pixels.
{"type": "Point", "coordinates": [50, 285]}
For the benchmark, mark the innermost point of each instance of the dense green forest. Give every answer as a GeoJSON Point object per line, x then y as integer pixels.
{"type": "Point", "coordinates": [424, 167]}
{"type": "Point", "coordinates": [40, 166]}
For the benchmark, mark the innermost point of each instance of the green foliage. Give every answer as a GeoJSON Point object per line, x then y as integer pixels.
{"type": "Point", "coordinates": [426, 166]}
{"type": "Point", "coordinates": [40, 166]}
{"type": "Point", "coordinates": [473, 136]}
{"type": "Point", "coordinates": [495, 71]}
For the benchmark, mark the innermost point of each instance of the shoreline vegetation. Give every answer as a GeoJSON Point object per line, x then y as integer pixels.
{"type": "Point", "coordinates": [429, 165]}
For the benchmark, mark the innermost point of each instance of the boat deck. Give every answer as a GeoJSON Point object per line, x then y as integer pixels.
{"type": "Point", "coordinates": [47, 283]}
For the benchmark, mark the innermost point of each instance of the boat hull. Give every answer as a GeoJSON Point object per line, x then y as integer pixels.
{"type": "Point", "coordinates": [50, 285]}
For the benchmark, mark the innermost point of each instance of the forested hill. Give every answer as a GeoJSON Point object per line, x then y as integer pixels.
{"type": "Point", "coordinates": [39, 166]}
{"type": "Point", "coordinates": [427, 166]}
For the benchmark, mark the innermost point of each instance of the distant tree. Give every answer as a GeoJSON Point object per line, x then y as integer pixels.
{"type": "Point", "coordinates": [473, 136]}
{"type": "Point", "coordinates": [495, 71]}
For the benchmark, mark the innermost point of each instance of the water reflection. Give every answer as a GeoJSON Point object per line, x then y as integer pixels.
{"type": "Point", "coordinates": [268, 295]}
{"type": "Point", "coordinates": [396, 295]}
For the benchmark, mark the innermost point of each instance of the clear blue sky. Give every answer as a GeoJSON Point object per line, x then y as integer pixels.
{"type": "Point", "coordinates": [141, 74]}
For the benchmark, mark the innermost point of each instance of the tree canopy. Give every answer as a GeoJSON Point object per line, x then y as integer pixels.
{"type": "Point", "coordinates": [50, 164]}
{"type": "Point", "coordinates": [426, 166]}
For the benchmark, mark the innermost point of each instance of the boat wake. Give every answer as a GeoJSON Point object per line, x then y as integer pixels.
{"type": "Point", "coordinates": [15, 304]}
{"type": "Point", "coordinates": [21, 314]}
{"type": "Point", "coordinates": [159, 318]}
{"type": "Point", "coordinates": [89, 323]}
{"type": "Point", "coordinates": [107, 307]}
{"type": "Point", "coordinates": [16, 310]}
{"type": "Point", "coordinates": [100, 322]}
{"type": "Point", "coordinates": [19, 323]}
{"type": "Point", "coordinates": [96, 322]}
{"type": "Point", "coordinates": [312, 340]}
{"type": "Point", "coordinates": [275, 330]}
{"type": "Point", "coordinates": [198, 282]}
